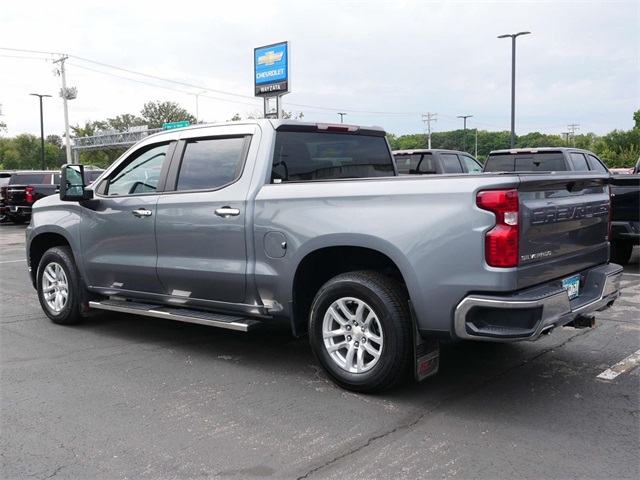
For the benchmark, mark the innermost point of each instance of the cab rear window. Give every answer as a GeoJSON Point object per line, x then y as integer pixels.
{"type": "Point", "coordinates": [307, 156]}
{"type": "Point", "coordinates": [526, 162]}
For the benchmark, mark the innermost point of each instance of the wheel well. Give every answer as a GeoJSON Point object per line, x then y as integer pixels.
{"type": "Point", "coordinates": [319, 266]}
{"type": "Point", "coordinates": [39, 246]}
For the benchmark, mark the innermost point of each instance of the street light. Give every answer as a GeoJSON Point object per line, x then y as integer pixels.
{"type": "Point", "coordinates": [342, 114]}
{"type": "Point", "coordinates": [513, 37]}
{"type": "Point", "coordinates": [41, 126]}
{"type": "Point", "coordinates": [464, 142]}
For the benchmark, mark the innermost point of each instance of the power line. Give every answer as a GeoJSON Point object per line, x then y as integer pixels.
{"type": "Point", "coordinates": [314, 108]}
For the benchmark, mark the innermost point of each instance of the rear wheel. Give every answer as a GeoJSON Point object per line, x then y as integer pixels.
{"type": "Point", "coordinates": [360, 331]}
{"type": "Point", "coordinates": [58, 286]}
{"type": "Point", "coordinates": [621, 251]}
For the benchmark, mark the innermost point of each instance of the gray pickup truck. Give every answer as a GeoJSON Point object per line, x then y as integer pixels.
{"type": "Point", "coordinates": [435, 161]}
{"type": "Point", "coordinates": [239, 224]}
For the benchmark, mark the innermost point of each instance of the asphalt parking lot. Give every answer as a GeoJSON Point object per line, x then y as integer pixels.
{"type": "Point", "coordinates": [125, 397]}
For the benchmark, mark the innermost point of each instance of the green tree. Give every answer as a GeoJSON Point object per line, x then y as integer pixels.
{"type": "Point", "coordinates": [156, 114]}
{"type": "Point", "coordinates": [24, 153]}
{"type": "Point", "coordinates": [122, 123]}
{"type": "Point", "coordinates": [636, 119]}
{"type": "Point", "coordinates": [3, 126]}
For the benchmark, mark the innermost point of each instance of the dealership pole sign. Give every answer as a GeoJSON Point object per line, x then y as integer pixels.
{"type": "Point", "coordinates": [271, 70]}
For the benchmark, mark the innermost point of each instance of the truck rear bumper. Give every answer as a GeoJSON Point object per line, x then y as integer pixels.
{"type": "Point", "coordinates": [533, 312]}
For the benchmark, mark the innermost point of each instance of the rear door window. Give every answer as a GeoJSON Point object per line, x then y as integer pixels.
{"type": "Point", "coordinates": [579, 162]}
{"type": "Point", "coordinates": [450, 163]}
{"type": "Point", "coordinates": [416, 164]}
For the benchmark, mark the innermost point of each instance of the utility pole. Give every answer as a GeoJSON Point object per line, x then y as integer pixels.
{"type": "Point", "coordinates": [66, 94]}
{"type": "Point", "coordinates": [476, 155]}
{"type": "Point", "coordinates": [573, 127]}
{"type": "Point", "coordinates": [464, 141]}
{"type": "Point", "coordinates": [197, 115]}
{"type": "Point", "coordinates": [427, 119]}
{"type": "Point", "coordinates": [342, 114]}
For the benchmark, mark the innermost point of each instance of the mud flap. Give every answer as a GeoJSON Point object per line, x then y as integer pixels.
{"type": "Point", "coordinates": [426, 352]}
{"type": "Point", "coordinates": [427, 357]}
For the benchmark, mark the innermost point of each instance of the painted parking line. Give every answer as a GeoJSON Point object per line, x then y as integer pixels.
{"type": "Point", "coordinates": [14, 261]}
{"type": "Point", "coordinates": [627, 364]}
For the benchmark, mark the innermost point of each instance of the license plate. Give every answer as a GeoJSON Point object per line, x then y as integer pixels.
{"type": "Point", "coordinates": [572, 286]}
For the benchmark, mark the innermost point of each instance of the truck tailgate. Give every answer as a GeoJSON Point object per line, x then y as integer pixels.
{"type": "Point", "coordinates": [564, 225]}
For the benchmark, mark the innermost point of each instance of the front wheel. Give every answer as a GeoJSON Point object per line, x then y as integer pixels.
{"type": "Point", "coordinates": [360, 331]}
{"type": "Point", "coordinates": [58, 286]}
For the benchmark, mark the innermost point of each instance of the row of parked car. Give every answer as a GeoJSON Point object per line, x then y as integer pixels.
{"type": "Point", "coordinates": [20, 189]}
{"type": "Point", "coordinates": [625, 189]}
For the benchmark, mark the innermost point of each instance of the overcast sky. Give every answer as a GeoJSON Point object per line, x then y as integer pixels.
{"type": "Point", "coordinates": [384, 63]}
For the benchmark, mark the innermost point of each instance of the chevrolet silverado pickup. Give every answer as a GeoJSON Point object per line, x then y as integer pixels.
{"type": "Point", "coordinates": [240, 224]}
{"type": "Point", "coordinates": [25, 188]}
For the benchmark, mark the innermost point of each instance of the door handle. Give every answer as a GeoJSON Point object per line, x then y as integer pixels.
{"type": "Point", "coordinates": [141, 213]}
{"type": "Point", "coordinates": [226, 212]}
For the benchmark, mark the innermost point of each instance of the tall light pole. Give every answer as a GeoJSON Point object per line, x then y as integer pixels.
{"type": "Point", "coordinates": [197, 94]}
{"type": "Point", "coordinates": [513, 37]}
{"type": "Point", "coordinates": [464, 141]}
{"type": "Point", "coordinates": [342, 114]}
{"type": "Point", "coordinates": [41, 126]}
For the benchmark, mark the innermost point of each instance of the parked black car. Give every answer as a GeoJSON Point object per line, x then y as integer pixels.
{"type": "Point", "coordinates": [5, 176]}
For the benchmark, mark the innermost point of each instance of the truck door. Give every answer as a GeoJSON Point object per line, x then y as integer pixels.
{"type": "Point", "coordinates": [200, 227]}
{"type": "Point", "coordinates": [118, 233]}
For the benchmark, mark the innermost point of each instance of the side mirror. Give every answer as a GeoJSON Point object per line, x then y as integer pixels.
{"type": "Point", "coordinates": [72, 187]}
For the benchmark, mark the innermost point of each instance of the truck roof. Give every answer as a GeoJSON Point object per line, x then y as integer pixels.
{"type": "Point", "coordinates": [537, 150]}
{"type": "Point", "coordinates": [281, 124]}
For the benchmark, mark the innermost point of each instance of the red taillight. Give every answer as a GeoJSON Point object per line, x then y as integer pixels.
{"type": "Point", "coordinates": [29, 192]}
{"type": "Point", "coordinates": [502, 241]}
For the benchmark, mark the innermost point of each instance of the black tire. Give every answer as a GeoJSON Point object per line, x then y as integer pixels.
{"type": "Point", "coordinates": [17, 220]}
{"type": "Point", "coordinates": [621, 251]}
{"type": "Point", "coordinates": [381, 344]}
{"type": "Point", "coordinates": [58, 286]}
